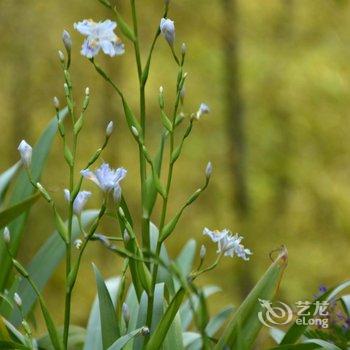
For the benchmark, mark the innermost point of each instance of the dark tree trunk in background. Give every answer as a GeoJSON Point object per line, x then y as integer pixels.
{"type": "Point", "coordinates": [234, 108]}
{"type": "Point", "coordinates": [281, 110]}
{"type": "Point", "coordinates": [236, 128]}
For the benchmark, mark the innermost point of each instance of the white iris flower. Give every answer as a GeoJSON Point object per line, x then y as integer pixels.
{"type": "Point", "coordinates": [228, 244]}
{"type": "Point", "coordinates": [99, 36]}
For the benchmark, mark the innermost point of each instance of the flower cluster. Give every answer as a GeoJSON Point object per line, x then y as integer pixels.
{"type": "Point", "coordinates": [228, 244]}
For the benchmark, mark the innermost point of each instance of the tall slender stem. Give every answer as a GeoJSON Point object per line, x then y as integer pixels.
{"type": "Point", "coordinates": [68, 291]}
{"type": "Point", "coordinates": [164, 210]}
{"type": "Point", "coordinates": [143, 173]}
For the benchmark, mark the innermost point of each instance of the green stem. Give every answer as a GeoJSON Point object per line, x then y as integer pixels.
{"type": "Point", "coordinates": [143, 174]}
{"type": "Point", "coordinates": [68, 296]}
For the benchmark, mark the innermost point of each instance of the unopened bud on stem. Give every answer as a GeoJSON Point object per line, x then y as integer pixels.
{"type": "Point", "coordinates": [67, 41]}
{"type": "Point", "coordinates": [56, 102]}
{"type": "Point", "coordinates": [145, 331]}
{"type": "Point", "coordinates": [134, 131]}
{"type": "Point", "coordinates": [126, 236]}
{"type": "Point", "coordinates": [167, 28]}
{"type": "Point", "coordinates": [25, 151]}
{"type": "Point", "coordinates": [78, 243]}
{"type": "Point", "coordinates": [61, 56]}
{"type": "Point", "coordinates": [161, 97]}
{"type": "Point", "coordinates": [17, 300]}
{"type": "Point", "coordinates": [203, 252]}
{"type": "Point", "coordinates": [7, 235]}
{"type": "Point", "coordinates": [183, 49]}
{"type": "Point", "coordinates": [109, 129]}
{"type": "Point", "coordinates": [208, 170]}
{"type": "Point", "coordinates": [126, 313]}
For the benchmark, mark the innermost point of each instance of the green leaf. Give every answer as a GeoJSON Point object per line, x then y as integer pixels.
{"type": "Point", "coordinates": [174, 339]}
{"type": "Point", "coordinates": [133, 304]}
{"type": "Point", "coordinates": [345, 300]}
{"type": "Point", "coordinates": [76, 338]}
{"type": "Point", "coordinates": [13, 212]}
{"type": "Point", "coordinates": [55, 340]}
{"type": "Point", "coordinates": [186, 312]}
{"type": "Point", "coordinates": [109, 323]}
{"type": "Point", "coordinates": [141, 320]}
{"type": "Point", "coordinates": [158, 336]}
{"type": "Point", "coordinates": [296, 331]}
{"type": "Point", "coordinates": [190, 338]}
{"type": "Point", "coordinates": [5, 179]}
{"type": "Point", "coordinates": [122, 341]}
{"type": "Point", "coordinates": [23, 189]}
{"type": "Point", "coordinates": [163, 274]}
{"type": "Point", "coordinates": [44, 264]}
{"type": "Point", "coordinates": [10, 345]}
{"type": "Point", "coordinates": [218, 320]}
{"type": "Point", "coordinates": [158, 305]}
{"type": "Point", "coordinates": [245, 325]}
{"type": "Point", "coordinates": [93, 331]}
{"type": "Point", "coordinates": [297, 347]}
{"type": "Point", "coordinates": [323, 344]}
{"type": "Point", "coordinates": [185, 259]}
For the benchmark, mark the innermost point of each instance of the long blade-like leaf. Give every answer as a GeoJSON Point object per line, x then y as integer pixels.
{"type": "Point", "coordinates": [93, 332]}
{"type": "Point", "coordinates": [5, 179]}
{"type": "Point", "coordinates": [245, 325]}
{"type": "Point", "coordinates": [23, 189]}
{"type": "Point", "coordinates": [109, 323]}
{"type": "Point", "coordinates": [158, 336]}
{"type": "Point", "coordinates": [122, 341]}
{"type": "Point", "coordinates": [13, 212]}
{"type": "Point", "coordinates": [44, 265]}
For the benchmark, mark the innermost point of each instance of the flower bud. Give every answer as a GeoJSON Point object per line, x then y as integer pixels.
{"type": "Point", "coordinates": [126, 236]}
{"type": "Point", "coordinates": [203, 252]}
{"type": "Point", "coordinates": [25, 150]}
{"type": "Point", "coordinates": [117, 193]}
{"type": "Point", "coordinates": [203, 109]}
{"type": "Point", "coordinates": [183, 93]}
{"type": "Point", "coordinates": [61, 56]}
{"type": "Point", "coordinates": [161, 97]}
{"type": "Point", "coordinates": [17, 300]}
{"type": "Point", "coordinates": [67, 41]}
{"type": "Point", "coordinates": [26, 327]}
{"type": "Point", "coordinates": [183, 49]}
{"type": "Point", "coordinates": [78, 243]}
{"type": "Point", "coordinates": [134, 131]}
{"type": "Point", "coordinates": [66, 194]}
{"type": "Point", "coordinates": [87, 91]}
{"type": "Point", "coordinates": [167, 28]}
{"type": "Point", "coordinates": [145, 331]}
{"type": "Point", "coordinates": [80, 201]}
{"type": "Point", "coordinates": [121, 212]}
{"type": "Point", "coordinates": [56, 102]}
{"type": "Point", "coordinates": [208, 170]}
{"type": "Point", "coordinates": [7, 235]}
{"type": "Point", "coordinates": [45, 194]}
{"type": "Point", "coordinates": [109, 129]}
{"type": "Point", "coordinates": [166, 2]}
{"type": "Point", "coordinates": [126, 313]}
{"type": "Point", "coordinates": [66, 89]}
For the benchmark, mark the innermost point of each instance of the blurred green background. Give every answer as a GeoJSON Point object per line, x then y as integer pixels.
{"type": "Point", "coordinates": [276, 76]}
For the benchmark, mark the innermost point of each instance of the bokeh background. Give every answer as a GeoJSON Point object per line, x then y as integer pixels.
{"type": "Point", "coordinates": [276, 76]}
